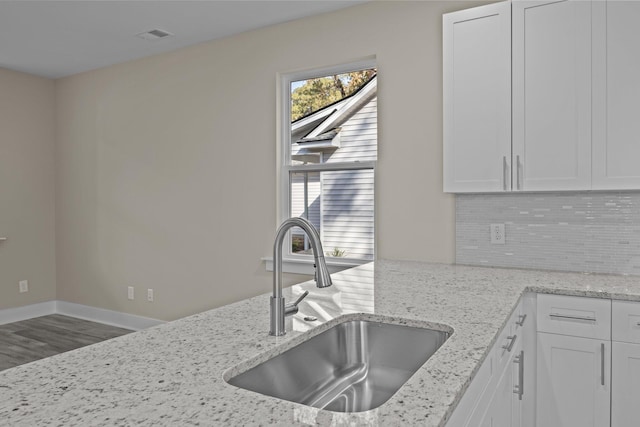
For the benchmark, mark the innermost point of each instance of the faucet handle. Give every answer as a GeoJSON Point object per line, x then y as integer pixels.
{"type": "Point", "coordinates": [300, 298]}
{"type": "Point", "coordinates": [292, 308]}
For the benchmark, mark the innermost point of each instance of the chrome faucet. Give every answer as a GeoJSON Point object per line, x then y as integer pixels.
{"type": "Point", "coordinates": [278, 307]}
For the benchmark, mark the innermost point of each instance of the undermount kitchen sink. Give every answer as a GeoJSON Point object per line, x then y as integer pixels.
{"type": "Point", "coordinates": [354, 366]}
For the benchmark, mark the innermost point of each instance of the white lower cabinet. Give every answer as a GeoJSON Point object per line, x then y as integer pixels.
{"type": "Point", "coordinates": [576, 360]}
{"type": "Point", "coordinates": [625, 390]}
{"type": "Point", "coordinates": [573, 381]}
{"type": "Point", "coordinates": [573, 371]}
{"type": "Point", "coordinates": [498, 393]}
{"type": "Point", "coordinates": [625, 361]}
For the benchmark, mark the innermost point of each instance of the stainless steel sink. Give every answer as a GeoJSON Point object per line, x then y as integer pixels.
{"type": "Point", "coordinates": [352, 367]}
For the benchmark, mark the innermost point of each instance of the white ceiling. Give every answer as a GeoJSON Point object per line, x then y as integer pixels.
{"type": "Point", "coordinates": [53, 38]}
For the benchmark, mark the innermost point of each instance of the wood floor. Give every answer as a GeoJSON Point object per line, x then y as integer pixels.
{"type": "Point", "coordinates": [33, 339]}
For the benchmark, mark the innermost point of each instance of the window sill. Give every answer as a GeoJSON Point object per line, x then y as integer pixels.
{"type": "Point", "coordinates": [305, 266]}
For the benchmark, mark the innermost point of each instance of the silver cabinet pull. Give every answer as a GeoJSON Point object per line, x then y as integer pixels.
{"type": "Point", "coordinates": [519, 388]}
{"type": "Point", "coordinates": [518, 172]}
{"type": "Point", "coordinates": [509, 346]}
{"type": "Point", "coordinates": [602, 363]}
{"type": "Point", "coordinates": [505, 173]}
{"type": "Point", "coordinates": [521, 319]}
{"type": "Point", "coordinates": [566, 316]}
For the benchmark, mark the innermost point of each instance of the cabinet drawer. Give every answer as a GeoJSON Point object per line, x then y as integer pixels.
{"type": "Point", "coordinates": [576, 316]}
{"type": "Point", "coordinates": [625, 318]}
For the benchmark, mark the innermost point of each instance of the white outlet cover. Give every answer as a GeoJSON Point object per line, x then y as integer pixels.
{"type": "Point", "coordinates": [497, 234]}
{"type": "Point", "coordinates": [130, 293]}
{"type": "Point", "coordinates": [24, 286]}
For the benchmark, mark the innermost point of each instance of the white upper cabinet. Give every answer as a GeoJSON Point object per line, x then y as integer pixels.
{"type": "Point", "coordinates": [477, 99]}
{"type": "Point", "coordinates": [570, 121]}
{"type": "Point", "coordinates": [616, 107]}
{"type": "Point", "coordinates": [551, 95]}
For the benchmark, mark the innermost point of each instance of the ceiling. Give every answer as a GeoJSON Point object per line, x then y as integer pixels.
{"type": "Point", "coordinates": [53, 38]}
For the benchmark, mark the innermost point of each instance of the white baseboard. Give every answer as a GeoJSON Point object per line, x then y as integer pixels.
{"type": "Point", "coordinates": [10, 315]}
{"type": "Point", "coordinates": [94, 314]}
{"type": "Point", "coordinates": [109, 317]}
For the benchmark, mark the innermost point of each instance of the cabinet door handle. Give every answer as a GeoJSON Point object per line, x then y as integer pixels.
{"type": "Point", "coordinates": [505, 171]}
{"type": "Point", "coordinates": [566, 316]}
{"type": "Point", "coordinates": [521, 319]}
{"type": "Point", "coordinates": [509, 346]}
{"type": "Point", "coordinates": [519, 388]}
{"type": "Point", "coordinates": [518, 172]}
{"type": "Point", "coordinates": [602, 363]}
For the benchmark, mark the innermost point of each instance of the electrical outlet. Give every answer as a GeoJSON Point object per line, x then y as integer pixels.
{"type": "Point", "coordinates": [497, 234]}
{"type": "Point", "coordinates": [150, 295]}
{"type": "Point", "coordinates": [24, 286]}
{"type": "Point", "coordinates": [130, 293]}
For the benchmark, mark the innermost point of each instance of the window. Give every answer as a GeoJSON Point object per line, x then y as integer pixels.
{"type": "Point", "coordinates": [329, 149]}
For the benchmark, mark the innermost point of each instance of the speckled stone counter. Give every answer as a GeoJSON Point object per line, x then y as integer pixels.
{"type": "Point", "coordinates": [173, 374]}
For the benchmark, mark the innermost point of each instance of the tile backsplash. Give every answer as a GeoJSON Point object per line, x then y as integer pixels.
{"type": "Point", "coordinates": [584, 231]}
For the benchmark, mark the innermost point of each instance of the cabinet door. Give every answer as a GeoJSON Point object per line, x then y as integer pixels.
{"type": "Point", "coordinates": [499, 411]}
{"type": "Point", "coordinates": [625, 384]}
{"type": "Point", "coordinates": [528, 331]}
{"type": "Point", "coordinates": [573, 381]}
{"type": "Point", "coordinates": [551, 95]}
{"type": "Point", "coordinates": [616, 128]}
{"type": "Point", "coordinates": [477, 99]}
{"type": "Point", "coordinates": [501, 406]}
{"type": "Point", "coordinates": [504, 409]}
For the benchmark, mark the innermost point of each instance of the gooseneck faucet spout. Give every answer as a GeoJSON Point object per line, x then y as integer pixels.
{"type": "Point", "coordinates": [279, 310]}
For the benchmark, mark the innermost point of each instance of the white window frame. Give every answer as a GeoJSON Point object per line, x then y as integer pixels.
{"type": "Point", "coordinates": [294, 263]}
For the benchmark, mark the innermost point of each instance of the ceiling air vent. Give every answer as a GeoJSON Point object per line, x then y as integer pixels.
{"type": "Point", "coordinates": [154, 34]}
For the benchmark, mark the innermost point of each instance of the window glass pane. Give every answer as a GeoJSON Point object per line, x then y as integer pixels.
{"type": "Point", "coordinates": [340, 204]}
{"type": "Point", "coordinates": [305, 202]}
{"type": "Point", "coordinates": [347, 207]}
{"type": "Point", "coordinates": [334, 121]}
{"type": "Point", "coordinates": [334, 118]}
{"type": "Point", "coordinates": [312, 95]}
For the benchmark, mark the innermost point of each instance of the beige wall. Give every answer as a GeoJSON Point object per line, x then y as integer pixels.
{"type": "Point", "coordinates": [166, 175]}
{"type": "Point", "coordinates": [26, 188]}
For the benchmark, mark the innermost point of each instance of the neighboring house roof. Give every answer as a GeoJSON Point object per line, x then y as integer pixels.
{"type": "Point", "coordinates": [322, 137]}
{"type": "Point", "coordinates": [317, 125]}
{"type": "Point", "coordinates": [324, 142]}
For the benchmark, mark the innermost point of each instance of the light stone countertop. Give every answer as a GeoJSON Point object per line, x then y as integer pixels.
{"type": "Point", "coordinates": [172, 375]}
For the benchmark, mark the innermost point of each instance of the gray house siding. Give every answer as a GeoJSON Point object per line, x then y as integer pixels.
{"type": "Point", "coordinates": [347, 200]}
{"type": "Point", "coordinates": [297, 199]}
{"type": "Point", "coordinates": [342, 202]}
{"type": "Point", "coordinates": [347, 206]}
{"type": "Point", "coordinates": [359, 136]}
